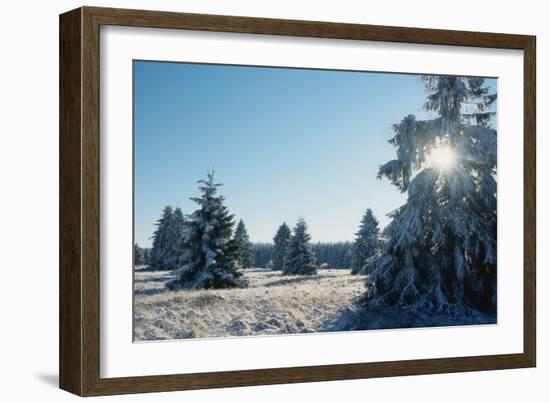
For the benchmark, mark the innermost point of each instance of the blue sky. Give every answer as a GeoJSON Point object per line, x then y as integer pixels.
{"type": "Point", "coordinates": [285, 142]}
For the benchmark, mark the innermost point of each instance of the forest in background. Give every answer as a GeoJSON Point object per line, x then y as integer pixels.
{"type": "Point", "coordinates": [336, 255]}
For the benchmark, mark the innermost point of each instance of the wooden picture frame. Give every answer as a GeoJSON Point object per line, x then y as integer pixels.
{"type": "Point", "coordinates": [79, 348]}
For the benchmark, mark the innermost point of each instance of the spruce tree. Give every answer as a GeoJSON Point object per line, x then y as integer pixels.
{"type": "Point", "coordinates": [440, 249]}
{"type": "Point", "coordinates": [209, 255]}
{"type": "Point", "coordinates": [161, 253]}
{"type": "Point", "coordinates": [280, 247]}
{"type": "Point", "coordinates": [300, 258]}
{"type": "Point", "coordinates": [244, 246]}
{"type": "Point", "coordinates": [366, 245]}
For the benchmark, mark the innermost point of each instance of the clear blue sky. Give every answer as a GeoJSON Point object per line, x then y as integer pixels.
{"type": "Point", "coordinates": [285, 143]}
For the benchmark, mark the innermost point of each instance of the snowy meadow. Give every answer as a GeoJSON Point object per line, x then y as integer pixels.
{"type": "Point", "coordinates": [393, 226]}
{"type": "Point", "coordinates": [271, 304]}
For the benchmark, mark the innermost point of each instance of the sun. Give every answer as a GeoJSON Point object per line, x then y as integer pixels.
{"type": "Point", "coordinates": [442, 157]}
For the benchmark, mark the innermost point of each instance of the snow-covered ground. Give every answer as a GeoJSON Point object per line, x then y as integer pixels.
{"type": "Point", "coordinates": [272, 304]}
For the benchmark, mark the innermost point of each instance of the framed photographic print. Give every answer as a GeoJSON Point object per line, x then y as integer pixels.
{"type": "Point", "coordinates": [249, 201]}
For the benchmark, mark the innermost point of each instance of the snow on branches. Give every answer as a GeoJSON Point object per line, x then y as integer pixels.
{"type": "Point", "coordinates": [209, 255]}
{"type": "Point", "coordinates": [439, 253]}
{"type": "Point", "coordinates": [299, 258]}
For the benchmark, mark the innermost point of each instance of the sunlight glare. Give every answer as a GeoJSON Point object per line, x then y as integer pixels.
{"type": "Point", "coordinates": [442, 157]}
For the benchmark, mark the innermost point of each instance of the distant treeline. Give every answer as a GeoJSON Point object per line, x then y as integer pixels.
{"type": "Point", "coordinates": [336, 255]}
{"type": "Point", "coordinates": [141, 255]}
{"type": "Point", "coordinates": [263, 253]}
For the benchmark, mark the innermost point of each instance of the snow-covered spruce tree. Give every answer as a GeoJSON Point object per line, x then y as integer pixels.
{"type": "Point", "coordinates": [440, 249]}
{"type": "Point", "coordinates": [300, 258]}
{"type": "Point", "coordinates": [244, 246]}
{"type": "Point", "coordinates": [280, 241]}
{"type": "Point", "coordinates": [209, 253]}
{"type": "Point", "coordinates": [366, 245]}
{"type": "Point", "coordinates": [161, 253]}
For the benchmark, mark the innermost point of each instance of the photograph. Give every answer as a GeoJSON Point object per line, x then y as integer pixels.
{"type": "Point", "coordinates": [284, 200]}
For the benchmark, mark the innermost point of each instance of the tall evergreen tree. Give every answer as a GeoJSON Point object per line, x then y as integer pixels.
{"type": "Point", "coordinates": [178, 223]}
{"type": "Point", "coordinates": [244, 246]}
{"type": "Point", "coordinates": [300, 258]}
{"type": "Point", "coordinates": [440, 252]}
{"type": "Point", "coordinates": [280, 248]}
{"type": "Point", "coordinates": [161, 253]}
{"type": "Point", "coordinates": [209, 254]}
{"type": "Point", "coordinates": [366, 245]}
